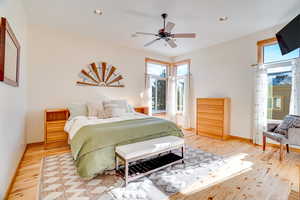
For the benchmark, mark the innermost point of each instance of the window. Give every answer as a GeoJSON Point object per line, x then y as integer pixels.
{"type": "Point", "coordinates": [277, 103]}
{"type": "Point", "coordinates": [272, 53]}
{"type": "Point", "coordinates": [182, 69]}
{"type": "Point", "coordinates": [158, 79]}
{"type": "Point", "coordinates": [279, 92]}
{"type": "Point", "coordinates": [158, 73]}
{"type": "Point", "coordinates": [179, 94]}
{"type": "Point", "coordinates": [279, 71]}
{"type": "Point", "coordinates": [158, 95]}
{"type": "Point", "coordinates": [157, 70]}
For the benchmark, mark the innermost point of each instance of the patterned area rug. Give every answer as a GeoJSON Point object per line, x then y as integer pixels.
{"type": "Point", "coordinates": [59, 179]}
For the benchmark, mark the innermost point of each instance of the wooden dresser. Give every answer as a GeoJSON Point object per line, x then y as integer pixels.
{"type": "Point", "coordinates": [55, 120]}
{"type": "Point", "coordinates": [213, 117]}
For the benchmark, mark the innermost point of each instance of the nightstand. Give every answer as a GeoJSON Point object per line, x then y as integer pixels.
{"type": "Point", "coordinates": [55, 120]}
{"type": "Point", "coordinates": [142, 109]}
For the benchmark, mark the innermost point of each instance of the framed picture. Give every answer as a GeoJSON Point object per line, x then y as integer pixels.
{"type": "Point", "coordinates": [9, 55]}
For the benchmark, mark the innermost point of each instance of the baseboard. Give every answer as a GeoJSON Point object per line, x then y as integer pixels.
{"type": "Point", "coordinates": [240, 138]}
{"type": "Point", "coordinates": [35, 144]}
{"type": "Point", "coordinates": [15, 175]}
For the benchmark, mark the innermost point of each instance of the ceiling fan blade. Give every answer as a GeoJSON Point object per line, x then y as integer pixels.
{"type": "Point", "coordinates": [171, 43]}
{"type": "Point", "coordinates": [169, 27]}
{"type": "Point", "coordinates": [149, 43]}
{"type": "Point", "coordinates": [184, 35]}
{"type": "Point", "coordinates": [142, 33]}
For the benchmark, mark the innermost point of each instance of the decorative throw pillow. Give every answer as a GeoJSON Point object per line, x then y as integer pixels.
{"type": "Point", "coordinates": [290, 121]}
{"type": "Point", "coordinates": [114, 112]}
{"type": "Point", "coordinates": [115, 108]}
{"type": "Point", "coordinates": [77, 110]}
{"type": "Point", "coordinates": [94, 108]}
{"type": "Point", "coordinates": [121, 103]}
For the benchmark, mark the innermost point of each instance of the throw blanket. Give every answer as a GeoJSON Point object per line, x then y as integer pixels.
{"type": "Point", "coordinates": [93, 146]}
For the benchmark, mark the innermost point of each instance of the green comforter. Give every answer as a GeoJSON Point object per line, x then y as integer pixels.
{"type": "Point", "coordinates": [93, 146]}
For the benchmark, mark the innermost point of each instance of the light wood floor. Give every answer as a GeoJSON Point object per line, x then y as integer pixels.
{"type": "Point", "coordinates": [268, 179]}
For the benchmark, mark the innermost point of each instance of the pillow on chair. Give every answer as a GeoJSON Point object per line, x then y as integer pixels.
{"type": "Point", "coordinates": [290, 121]}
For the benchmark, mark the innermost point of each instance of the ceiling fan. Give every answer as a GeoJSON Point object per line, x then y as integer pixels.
{"type": "Point", "coordinates": [165, 34]}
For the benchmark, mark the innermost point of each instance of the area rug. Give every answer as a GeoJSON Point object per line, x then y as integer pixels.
{"type": "Point", "coordinates": [60, 181]}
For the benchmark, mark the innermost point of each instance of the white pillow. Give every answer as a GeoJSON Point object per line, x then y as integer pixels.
{"type": "Point", "coordinates": [114, 111]}
{"type": "Point", "coordinates": [94, 108]}
{"type": "Point", "coordinates": [120, 103]}
{"type": "Point", "coordinates": [115, 108]}
{"type": "Point", "coordinates": [77, 110]}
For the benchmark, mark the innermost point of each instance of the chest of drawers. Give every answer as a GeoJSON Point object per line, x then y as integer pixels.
{"type": "Point", "coordinates": [213, 117]}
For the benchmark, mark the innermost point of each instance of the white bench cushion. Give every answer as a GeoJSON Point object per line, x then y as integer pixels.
{"type": "Point", "coordinates": [131, 151]}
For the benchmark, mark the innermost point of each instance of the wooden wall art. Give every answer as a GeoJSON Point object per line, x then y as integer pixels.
{"type": "Point", "coordinates": [9, 55]}
{"type": "Point", "coordinates": [101, 75]}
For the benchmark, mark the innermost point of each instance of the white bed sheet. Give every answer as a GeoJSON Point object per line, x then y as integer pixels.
{"type": "Point", "coordinates": [74, 125]}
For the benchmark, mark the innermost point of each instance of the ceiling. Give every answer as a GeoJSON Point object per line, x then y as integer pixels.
{"type": "Point", "coordinates": [121, 18]}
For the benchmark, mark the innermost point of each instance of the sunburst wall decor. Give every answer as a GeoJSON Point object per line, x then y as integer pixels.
{"type": "Point", "coordinates": [101, 75]}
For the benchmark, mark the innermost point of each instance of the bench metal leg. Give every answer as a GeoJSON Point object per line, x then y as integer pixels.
{"type": "Point", "coordinates": [126, 172]}
{"type": "Point", "coordinates": [182, 154]}
{"type": "Point", "coordinates": [287, 148]}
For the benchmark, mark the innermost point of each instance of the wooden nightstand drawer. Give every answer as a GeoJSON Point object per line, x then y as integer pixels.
{"type": "Point", "coordinates": [59, 136]}
{"type": "Point", "coordinates": [55, 126]}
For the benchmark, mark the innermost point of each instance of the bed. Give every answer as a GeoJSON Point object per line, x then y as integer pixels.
{"type": "Point", "coordinates": [93, 140]}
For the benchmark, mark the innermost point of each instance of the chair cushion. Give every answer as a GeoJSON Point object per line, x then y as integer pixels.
{"type": "Point", "coordinates": [277, 137]}
{"type": "Point", "coordinates": [294, 136]}
{"type": "Point", "coordinates": [139, 149]}
{"type": "Point", "coordinates": [290, 121]}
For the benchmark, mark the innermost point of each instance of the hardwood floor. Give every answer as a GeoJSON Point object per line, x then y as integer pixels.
{"type": "Point", "coordinates": [268, 179]}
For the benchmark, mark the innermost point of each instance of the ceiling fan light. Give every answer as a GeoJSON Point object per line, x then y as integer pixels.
{"type": "Point", "coordinates": [224, 18]}
{"type": "Point", "coordinates": [98, 12]}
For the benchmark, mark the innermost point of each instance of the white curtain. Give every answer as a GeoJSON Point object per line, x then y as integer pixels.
{"type": "Point", "coordinates": [295, 95]}
{"type": "Point", "coordinates": [171, 96]}
{"type": "Point", "coordinates": [147, 94]}
{"type": "Point", "coordinates": [260, 103]}
{"type": "Point", "coordinates": [186, 122]}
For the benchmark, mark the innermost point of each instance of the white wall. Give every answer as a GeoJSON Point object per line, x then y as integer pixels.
{"type": "Point", "coordinates": [12, 101]}
{"type": "Point", "coordinates": [224, 71]}
{"type": "Point", "coordinates": [56, 57]}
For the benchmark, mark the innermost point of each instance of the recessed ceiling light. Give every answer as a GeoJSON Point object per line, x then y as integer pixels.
{"type": "Point", "coordinates": [222, 19]}
{"type": "Point", "coordinates": [134, 35]}
{"type": "Point", "coordinates": [98, 12]}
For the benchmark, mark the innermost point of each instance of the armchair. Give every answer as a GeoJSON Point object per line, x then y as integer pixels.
{"type": "Point", "coordinates": [291, 138]}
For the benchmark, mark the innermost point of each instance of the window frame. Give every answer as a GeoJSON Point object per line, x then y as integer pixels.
{"type": "Point", "coordinates": [176, 64]}
{"type": "Point", "coordinates": [159, 62]}
{"type": "Point", "coordinates": [260, 50]}
{"type": "Point", "coordinates": [169, 65]}
{"type": "Point", "coordinates": [260, 60]}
